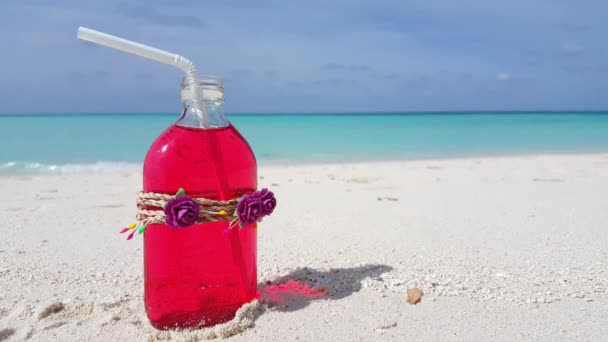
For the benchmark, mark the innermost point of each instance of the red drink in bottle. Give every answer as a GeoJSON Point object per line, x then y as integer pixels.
{"type": "Point", "coordinates": [200, 275]}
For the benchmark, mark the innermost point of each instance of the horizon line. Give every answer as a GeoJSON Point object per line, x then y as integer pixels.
{"type": "Point", "coordinates": [286, 113]}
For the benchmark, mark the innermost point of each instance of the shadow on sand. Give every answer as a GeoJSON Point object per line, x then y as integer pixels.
{"type": "Point", "coordinates": [297, 289]}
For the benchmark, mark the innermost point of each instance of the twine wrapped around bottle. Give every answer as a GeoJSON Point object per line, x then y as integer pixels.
{"type": "Point", "coordinates": [210, 210]}
{"type": "Point", "coordinates": [182, 211]}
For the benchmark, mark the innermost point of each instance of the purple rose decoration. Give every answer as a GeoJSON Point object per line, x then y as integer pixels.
{"type": "Point", "coordinates": [255, 206]}
{"type": "Point", "coordinates": [250, 209]}
{"type": "Point", "coordinates": [181, 212]}
{"type": "Point", "coordinates": [268, 201]}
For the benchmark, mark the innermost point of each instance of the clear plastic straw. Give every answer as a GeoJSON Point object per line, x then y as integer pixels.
{"type": "Point", "coordinates": [192, 78]}
{"type": "Point", "coordinates": [158, 55]}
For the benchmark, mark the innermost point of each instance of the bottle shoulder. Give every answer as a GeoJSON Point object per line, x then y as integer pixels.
{"type": "Point", "coordinates": [196, 158]}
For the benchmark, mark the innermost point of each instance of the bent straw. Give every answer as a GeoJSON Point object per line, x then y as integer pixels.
{"type": "Point", "coordinates": [158, 55]}
{"type": "Point", "coordinates": [192, 78]}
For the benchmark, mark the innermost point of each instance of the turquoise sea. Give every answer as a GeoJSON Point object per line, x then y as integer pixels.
{"type": "Point", "coordinates": [110, 142]}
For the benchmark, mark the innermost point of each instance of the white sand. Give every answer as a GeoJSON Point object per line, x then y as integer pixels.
{"type": "Point", "coordinates": [504, 249]}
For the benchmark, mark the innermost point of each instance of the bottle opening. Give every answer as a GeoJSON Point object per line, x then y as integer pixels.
{"type": "Point", "coordinates": [211, 98]}
{"type": "Point", "coordinates": [211, 88]}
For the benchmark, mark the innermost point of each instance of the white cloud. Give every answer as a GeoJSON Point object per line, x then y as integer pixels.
{"type": "Point", "coordinates": [503, 76]}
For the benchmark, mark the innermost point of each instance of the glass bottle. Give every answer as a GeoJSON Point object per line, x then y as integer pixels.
{"type": "Point", "coordinates": [199, 275]}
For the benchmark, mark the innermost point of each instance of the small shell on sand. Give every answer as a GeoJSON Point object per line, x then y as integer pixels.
{"type": "Point", "coordinates": [414, 295]}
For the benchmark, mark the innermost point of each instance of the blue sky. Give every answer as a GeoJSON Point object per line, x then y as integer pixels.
{"type": "Point", "coordinates": [310, 56]}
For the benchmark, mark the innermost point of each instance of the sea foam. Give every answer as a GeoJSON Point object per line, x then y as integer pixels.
{"type": "Point", "coordinates": [21, 167]}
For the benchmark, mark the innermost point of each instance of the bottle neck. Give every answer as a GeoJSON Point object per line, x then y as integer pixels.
{"type": "Point", "coordinates": [213, 114]}
{"type": "Point", "coordinates": [208, 110]}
